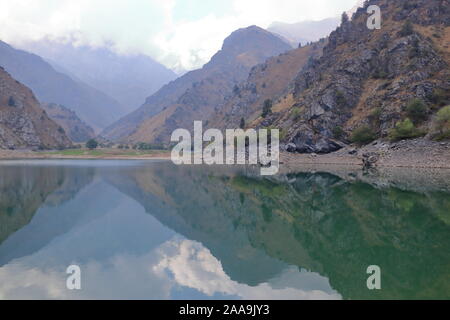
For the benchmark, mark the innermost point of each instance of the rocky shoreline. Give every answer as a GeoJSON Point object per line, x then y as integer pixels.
{"type": "Point", "coordinates": [418, 153]}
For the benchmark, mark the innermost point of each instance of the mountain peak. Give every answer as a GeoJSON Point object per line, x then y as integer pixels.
{"type": "Point", "coordinates": [248, 47]}
{"type": "Point", "coordinates": [245, 36]}
{"type": "Point", "coordinates": [196, 94]}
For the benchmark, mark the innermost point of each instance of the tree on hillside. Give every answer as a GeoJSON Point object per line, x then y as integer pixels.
{"type": "Point", "coordinates": [92, 144]}
{"type": "Point", "coordinates": [242, 124]}
{"type": "Point", "coordinates": [267, 108]}
{"type": "Point", "coordinates": [443, 117]}
{"type": "Point", "coordinates": [407, 29]}
{"type": "Point", "coordinates": [11, 102]}
{"type": "Point", "coordinates": [344, 18]}
{"type": "Point", "coordinates": [417, 111]}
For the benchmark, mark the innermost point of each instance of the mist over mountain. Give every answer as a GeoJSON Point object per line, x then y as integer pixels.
{"type": "Point", "coordinates": [129, 79]}
{"type": "Point", "coordinates": [76, 129]}
{"type": "Point", "coordinates": [305, 31]}
{"type": "Point", "coordinates": [50, 86]}
{"type": "Point", "coordinates": [196, 94]}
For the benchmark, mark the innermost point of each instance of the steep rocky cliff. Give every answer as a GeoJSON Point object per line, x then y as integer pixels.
{"type": "Point", "coordinates": [369, 78]}
{"type": "Point", "coordinates": [76, 129]}
{"type": "Point", "coordinates": [196, 95]}
{"type": "Point", "coordinates": [23, 123]}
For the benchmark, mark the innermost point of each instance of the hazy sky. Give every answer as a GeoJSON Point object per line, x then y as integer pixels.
{"type": "Point", "coordinates": [182, 34]}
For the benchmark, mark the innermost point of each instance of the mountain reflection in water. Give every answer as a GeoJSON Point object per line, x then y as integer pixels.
{"type": "Point", "coordinates": [152, 230]}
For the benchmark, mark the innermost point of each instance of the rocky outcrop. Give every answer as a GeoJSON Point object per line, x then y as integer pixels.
{"type": "Point", "coordinates": [76, 129]}
{"type": "Point", "coordinates": [368, 77]}
{"type": "Point", "coordinates": [23, 123]}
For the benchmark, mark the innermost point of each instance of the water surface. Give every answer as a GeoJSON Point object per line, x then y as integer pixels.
{"type": "Point", "coordinates": [152, 230]}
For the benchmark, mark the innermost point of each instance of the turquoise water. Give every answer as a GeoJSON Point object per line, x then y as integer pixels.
{"type": "Point", "coordinates": [152, 230]}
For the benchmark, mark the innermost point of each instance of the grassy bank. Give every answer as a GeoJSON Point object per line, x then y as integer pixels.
{"type": "Point", "coordinates": [106, 152]}
{"type": "Point", "coordinates": [101, 153]}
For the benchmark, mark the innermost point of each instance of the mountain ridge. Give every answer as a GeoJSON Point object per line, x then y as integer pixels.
{"type": "Point", "coordinates": [195, 94]}
{"type": "Point", "coordinates": [127, 78]}
{"type": "Point", "coordinates": [51, 86]}
{"type": "Point", "coordinates": [76, 129]}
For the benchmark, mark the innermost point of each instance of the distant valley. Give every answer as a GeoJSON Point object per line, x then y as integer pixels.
{"type": "Point", "coordinates": [129, 78]}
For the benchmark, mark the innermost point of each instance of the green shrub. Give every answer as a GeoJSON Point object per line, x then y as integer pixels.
{"type": "Point", "coordinates": [405, 130]}
{"type": "Point", "coordinates": [145, 146]}
{"type": "Point", "coordinates": [407, 29]}
{"type": "Point", "coordinates": [380, 74]}
{"type": "Point", "coordinates": [443, 116]}
{"type": "Point", "coordinates": [296, 113]}
{"type": "Point", "coordinates": [92, 144]}
{"type": "Point", "coordinates": [440, 97]}
{"type": "Point", "coordinates": [443, 120]}
{"type": "Point", "coordinates": [417, 111]}
{"type": "Point", "coordinates": [363, 135]}
{"type": "Point", "coordinates": [445, 135]}
{"type": "Point", "coordinates": [338, 132]}
{"type": "Point", "coordinates": [375, 115]}
{"type": "Point", "coordinates": [283, 134]}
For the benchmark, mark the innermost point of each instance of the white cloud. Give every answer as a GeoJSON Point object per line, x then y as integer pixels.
{"type": "Point", "coordinates": [175, 264]}
{"type": "Point", "coordinates": [193, 266]}
{"type": "Point", "coordinates": [177, 37]}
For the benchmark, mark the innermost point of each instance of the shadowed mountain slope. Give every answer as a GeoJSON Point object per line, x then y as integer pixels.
{"type": "Point", "coordinates": [50, 86]}
{"type": "Point", "coordinates": [23, 123]}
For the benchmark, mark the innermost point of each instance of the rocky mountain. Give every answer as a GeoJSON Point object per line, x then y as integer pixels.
{"type": "Point", "coordinates": [23, 123]}
{"type": "Point", "coordinates": [51, 86]}
{"type": "Point", "coordinates": [370, 84]}
{"type": "Point", "coordinates": [129, 79]}
{"type": "Point", "coordinates": [268, 81]}
{"type": "Point", "coordinates": [195, 95]}
{"type": "Point", "coordinates": [76, 129]}
{"type": "Point", "coordinates": [305, 31]}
